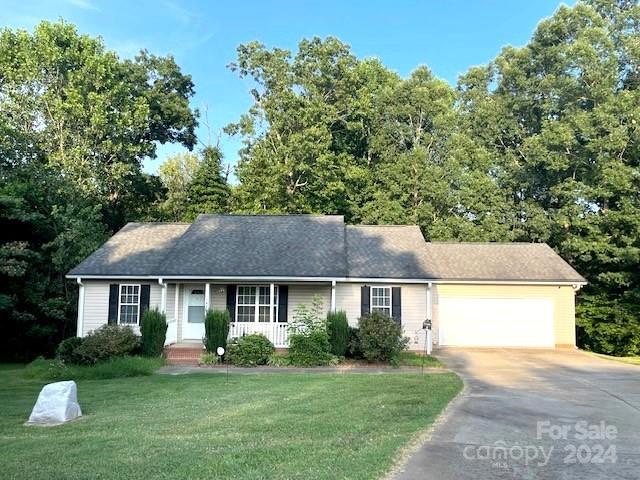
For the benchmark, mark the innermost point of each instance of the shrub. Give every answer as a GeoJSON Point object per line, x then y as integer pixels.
{"type": "Point", "coordinates": [338, 330]}
{"type": "Point", "coordinates": [153, 333]}
{"type": "Point", "coordinates": [354, 350]}
{"type": "Point", "coordinates": [41, 369]}
{"type": "Point", "coordinates": [308, 338]}
{"type": "Point", "coordinates": [216, 325]}
{"type": "Point", "coordinates": [250, 350]}
{"type": "Point", "coordinates": [380, 337]}
{"type": "Point", "coordinates": [310, 350]}
{"type": "Point", "coordinates": [208, 358]}
{"type": "Point", "coordinates": [66, 351]}
{"type": "Point", "coordinates": [107, 342]}
{"type": "Point", "coordinates": [277, 360]}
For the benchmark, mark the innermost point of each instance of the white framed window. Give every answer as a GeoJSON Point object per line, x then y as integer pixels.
{"type": "Point", "coordinates": [381, 300]}
{"type": "Point", "coordinates": [253, 303]}
{"type": "Point", "coordinates": [129, 304]}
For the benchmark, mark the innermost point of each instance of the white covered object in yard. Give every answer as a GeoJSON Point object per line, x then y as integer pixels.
{"type": "Point", "coordinates": [56, 404]}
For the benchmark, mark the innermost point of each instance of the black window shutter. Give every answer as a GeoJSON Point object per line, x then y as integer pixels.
{"type": "Point", "coordinates": [396, 304]}
{"type": "Point", "coordinates": [231, 302]}
{"type": "Point", "coordinates": [283, 302]}
{"type": "Point", "coordinates": [145, 293]}
{"type": "Point", "coordinates": [114, 291]}
{"type": "Point", "coordinates": [365, 300]}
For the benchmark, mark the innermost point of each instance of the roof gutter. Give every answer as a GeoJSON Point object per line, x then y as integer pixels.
{"type": "Point", "coordinates": [164, 278]}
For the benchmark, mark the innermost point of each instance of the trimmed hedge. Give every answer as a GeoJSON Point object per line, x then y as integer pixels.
{"type": "Point", "coordinates": [66, 351]}
{"type": "Point", "coordinates": [250, 350]}
{"type": "Point", "coordinates": [338, 330]}
{"type": "Point", "coordinates": [107, 342]}
{"type": "Point", "coordinates": [154, 333]}
{"type": "Point", "coordinates": [216, 326]}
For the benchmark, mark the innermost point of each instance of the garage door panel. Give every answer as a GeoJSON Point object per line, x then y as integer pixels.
{"type": "Point", "coordinates": [496, 322]}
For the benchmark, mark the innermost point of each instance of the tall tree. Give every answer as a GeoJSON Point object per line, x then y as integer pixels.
{"type": "Point", "coordinates": [208, 191]}
{"type": "Point", "coordinates": [176, 173]}
{"type": "Point", "coordinates": [76, 123]}
{"type": "Point", "coordinates": [559, 118]}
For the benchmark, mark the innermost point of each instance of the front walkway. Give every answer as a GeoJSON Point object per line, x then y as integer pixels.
{"type": "Point", "coordinates": [376, 369]}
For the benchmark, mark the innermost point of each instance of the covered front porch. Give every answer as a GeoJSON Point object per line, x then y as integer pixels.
{"type": "Point", "coordinates": [254, 307]}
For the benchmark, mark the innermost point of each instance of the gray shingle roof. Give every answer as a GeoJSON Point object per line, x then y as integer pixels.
{"type": "Point", "coordinates": [136, 249]}
{"type": "Point", "coordinates": [313, 246]}
{"type": "Point", "coordinates": [260, 245]}
{"type": "Point", "coordinates": [386, 251]}
{"type": "Point", "coordinates": [498, 261]}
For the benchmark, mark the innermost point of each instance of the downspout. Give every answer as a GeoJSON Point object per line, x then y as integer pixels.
{"type": "Point", "coordinates": [427, 333]}
{"type": "Point", "coordinates": [80, 322]}
{"type": "Point", "coordinates": [333, 295]}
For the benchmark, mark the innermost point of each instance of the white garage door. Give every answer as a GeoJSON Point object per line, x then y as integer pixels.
{"type": "Point", "coordinates": [496, 322]}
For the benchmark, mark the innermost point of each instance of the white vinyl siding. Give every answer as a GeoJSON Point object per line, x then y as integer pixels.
{"type": "Point", "coordinates": [303, 295]}
{"type": "Point", "coordinates": [413, 307]}
{"type": "Point", "coordinates": [96, 302]}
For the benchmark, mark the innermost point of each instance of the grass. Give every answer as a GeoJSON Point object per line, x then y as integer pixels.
{"type": "Point", "coordinates": [635, 360]}
{"type": "Point", "coordinates": [412, 359]}
{"type": "Point", "coordinates": [269, 426]}
{"type": "Point", "coordinates": [54, 370]}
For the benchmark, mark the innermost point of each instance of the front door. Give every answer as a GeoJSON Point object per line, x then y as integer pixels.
{"type": "Point", "coordinates": [193, 325]}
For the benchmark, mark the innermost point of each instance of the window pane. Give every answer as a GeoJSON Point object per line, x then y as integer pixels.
{"type": "Point", "coordinates": [246, 314]}
{"type": "Point", "coordinates": [195, 314]}
{"type": "Point", "coordinates": [129, 314]}
{"type": "Point", "coordinates": [263, 314]}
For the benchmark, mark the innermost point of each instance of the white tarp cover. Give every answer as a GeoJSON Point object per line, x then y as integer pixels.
{"type": "Point", "coordinates": [56, 404]}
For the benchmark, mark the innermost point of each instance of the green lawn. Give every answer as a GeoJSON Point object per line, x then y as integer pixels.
{"type": "Point", "coordinates": [632, 360]}
{"type": "Point", "coordinates": [199, 426]}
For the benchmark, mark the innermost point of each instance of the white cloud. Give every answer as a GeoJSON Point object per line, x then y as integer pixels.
{"type": "Point", "coordinates": [84, 4]}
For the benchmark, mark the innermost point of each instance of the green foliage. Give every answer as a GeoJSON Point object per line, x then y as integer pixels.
{"type": "Point", "coordinates": [308, 338]}
{"type": "Point", "coordinates": [176, 173]}
{"type": "Point", "coordinates": [67, 351]}
{"type": "Point", "coordinates": [380, 337]}
{"type": "Point", "coordinates": [279, 360]}
{"type": "Point", "coordinates": [216, 325]}
{"type": "Point", "coordinates": [76, 123]}
{"type": "Point", "coordinates": [107, 342]}
{"type": "Point", "coordinates": [208, 358]}
{"type": "Point", "coordinates": [310, 350]}
{"type": "Point", "coordinates": [338, 330]}
{"type": "Point", "coordinates": [354, 350]}
{"type": "Point", "coordinates": [250, 350]}
{"type": "Point", "coordinates": [153, 333]}
{"type": "Point", "coordinates": [208, 191]}
{"type": "Point", "coordinates": [117, 367]}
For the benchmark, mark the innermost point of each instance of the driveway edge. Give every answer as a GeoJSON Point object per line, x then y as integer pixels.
{"type": "Point", "coordinates": [413, 446]}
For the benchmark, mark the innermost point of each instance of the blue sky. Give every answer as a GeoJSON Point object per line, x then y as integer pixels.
{"type": "Point", "coordinates": [448, 36]}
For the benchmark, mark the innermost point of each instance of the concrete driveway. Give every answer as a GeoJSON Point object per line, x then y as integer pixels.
{"type": "Point", "coordinates": [526, 413]}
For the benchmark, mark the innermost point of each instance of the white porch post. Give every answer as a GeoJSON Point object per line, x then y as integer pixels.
{"type": "Point", "coordinates": [428, 338]}
{"type": "Point", "coordinates": [333, 295]}
{"type": "Point", "coordinates": [272, 299]}
{"type": "Point", "coordinates": [80, 324]}
{"type": "Point", "coordinates": [207, 296]}
{"type": "Point", "coordinates": [176, 304]}
{"type": "Point", "coordinates": [163, 296]}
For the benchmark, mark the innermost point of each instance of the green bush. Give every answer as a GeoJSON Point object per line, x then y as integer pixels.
{"type": "Point", "coordinates": [208, 358]}
{"type": "Point", "coordinates": [354, 350]}
{"type": "Point", "coordinates": [310, 350]}
{"type": "Point", "coordinates": [381, 337]}
{"type": "Point", "coordinates": [338, 330]}
{"type": "Point", "coordinates": [250, 350]}
{"type": "Point", "coordinates": [153, 333]}
{"type": "Point", "coordinates": [107, 342]}
{"type": "Point", "coordinates": [216, 325]}
{"type": "Point", "coordinates": [66, 351]}
{"type": "Point", "coordinates": [279, 360]}
{"type": "Point", "coordinates": [56, 370]}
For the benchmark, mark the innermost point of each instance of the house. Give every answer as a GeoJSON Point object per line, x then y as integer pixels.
{"type": "Point", "coordinates": [261, 267]}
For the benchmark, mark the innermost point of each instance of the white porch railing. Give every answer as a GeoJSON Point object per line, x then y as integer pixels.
{"type": "Point", "coordinates": [274, 331]}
